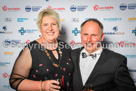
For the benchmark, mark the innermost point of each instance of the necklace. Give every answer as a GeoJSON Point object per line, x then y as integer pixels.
{"type": "Point", "coordinates": [54, 64]}
{"type": "Point", "coordinates": [47, 53]}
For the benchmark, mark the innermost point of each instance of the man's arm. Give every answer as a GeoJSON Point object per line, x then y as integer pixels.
{"type": "Point", "coordinates": [122, 78]}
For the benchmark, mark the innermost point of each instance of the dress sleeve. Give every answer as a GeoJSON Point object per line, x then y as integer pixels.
{"type": "Point", "coordinates": [21, 68]}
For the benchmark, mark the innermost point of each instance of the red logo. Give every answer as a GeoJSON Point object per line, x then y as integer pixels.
{"type": "Point", "coordinates": [121, 43]}
{"type": "Point", "coordinates": [5, 75]}
{"type": "Point", "coordinates": [96, 7]}
{"type": "Point", "coordinates": [73, 43]}
{"type": "Point", "coordinates": [4, 8]}
{"type": "Point", "coordinates": [126, 44]}
{"type": "Point", "coordinates": [28, 41]}
{"type": "Point", "coordinates": [56, 8]}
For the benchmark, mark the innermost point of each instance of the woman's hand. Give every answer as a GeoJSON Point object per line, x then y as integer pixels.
{"type": "Point", "coordinates": [50, 85]}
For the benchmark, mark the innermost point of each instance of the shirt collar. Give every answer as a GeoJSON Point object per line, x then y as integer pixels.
{"type": "Point", "coordinates": [98, 52]}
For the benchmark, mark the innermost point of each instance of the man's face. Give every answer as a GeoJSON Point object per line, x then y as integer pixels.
{"type": "Point", "coordinates": [91, 36]}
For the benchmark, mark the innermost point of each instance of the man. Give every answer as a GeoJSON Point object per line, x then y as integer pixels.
{"type": "Point", "coordinates": [101, 69]}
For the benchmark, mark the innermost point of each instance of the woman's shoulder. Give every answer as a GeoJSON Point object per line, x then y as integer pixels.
{"type": "Point", "coordinates": [33, 44]}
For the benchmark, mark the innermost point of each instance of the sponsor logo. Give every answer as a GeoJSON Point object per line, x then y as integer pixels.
{"type": "Point", "coordinates": [8, 53]}
{"type": "Point", "coordinates": [115, 29]}
{"type": "Point", "coordinates": [11, 43]}
{"type": "Point", "coordinates": [5, 8]}
{"type": "Point", "coordinates": [130, 6]}
{"type": "Point", "coordinates": [132, 19]}
{"type": "Point", "coordinates": [15, 43]}
{"type": "Point", "coordinates": [35, 20]}
{"type": "Point", "coordinates": [8, 19]}
{"type": "Point", "coordinates": [28, 41]}
{"type": "Point", "coordinates": [22, 31]}
{"type": "Point", "coordinates": [4, 64]}
{"type": "Point", "coordinates": [57, 9]}
{"type": "Point", "coordinates": [21, 19]}
{"type": "Point", "coordinates": [74, 8]}
{"type": "Point", "coordinates": [7, 86]}
{"type": "Point", "coordinates": [89, 18]}
{"type": "Point", "coordinates": [4, 28]}
{"type": "Point", "coordinates": [75, 19]}
{"type": "Point", "coordinates": [28, 8]}
{"type": "Point", "coordinates": [123, 6]}
{"type": "Point", "coordinates": [36, 8]}
{"type": "Point", "coordinates": [5, 75]}
{"type": "Point", "coordinates": [120, 44]}
{"type": "Point", "coordinates": [74, 44]}
{"type": "Point", "coordinates": [32, 8]}
{"type": "Point", "coordinates": [134, 31]}
{"type": "Point", "coordinates": [75, 31]}
{"type": "Point", "coordinates": [130, 56]}
{"type": "Point", "coordinates": [62, 19]}
{"type": "Point", "coordinates": [97, 7]}
{"type": "Point", "coordinates": [112, 19]}
{"type": "Point", "coordinates": [126, 44]}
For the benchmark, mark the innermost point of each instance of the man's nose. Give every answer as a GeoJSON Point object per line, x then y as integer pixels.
{"type": "Point", "coordinates": [89, 38]}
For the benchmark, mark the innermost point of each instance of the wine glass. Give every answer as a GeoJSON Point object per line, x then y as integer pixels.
{"type": "Point", "coordinates": [88, 87]}
{"type": "Point", "coordinates": [61, 86]}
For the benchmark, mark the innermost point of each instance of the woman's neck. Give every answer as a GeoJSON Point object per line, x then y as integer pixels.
{"type": "Point", "coordinates": [50, 45]}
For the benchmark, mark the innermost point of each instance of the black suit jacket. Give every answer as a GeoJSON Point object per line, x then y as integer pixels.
{"type": "Point", "coordinates": [109, 74]}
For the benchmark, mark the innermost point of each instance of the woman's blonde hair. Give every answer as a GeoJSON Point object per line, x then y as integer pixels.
{"type": "Point", "coordinates": [48, 12]}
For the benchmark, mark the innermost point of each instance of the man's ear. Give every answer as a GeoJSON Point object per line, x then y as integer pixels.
{"type": "Point", "coordinates": [80, 33]}
{"type": "Point", "coordinates": [102, 36]}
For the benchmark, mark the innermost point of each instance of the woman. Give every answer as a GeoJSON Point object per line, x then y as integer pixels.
{"type": "Point", "coordinates": [45, 64]}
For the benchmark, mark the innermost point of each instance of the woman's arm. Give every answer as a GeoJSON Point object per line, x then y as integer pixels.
{"type": "Point", "coordinates": [20, 73]}
{"type": "Point", "coordinates": [19, 77]}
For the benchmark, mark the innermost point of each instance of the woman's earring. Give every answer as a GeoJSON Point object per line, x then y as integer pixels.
{"type": "Point", "coordinates": [40, 35]}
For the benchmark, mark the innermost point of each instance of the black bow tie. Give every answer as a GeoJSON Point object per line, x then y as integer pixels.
{"type": "Point", "coordinates": [84, 55]}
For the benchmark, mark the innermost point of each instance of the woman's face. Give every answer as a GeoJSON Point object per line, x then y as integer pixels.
{"type": "Point", "coordinates": [49, 29]}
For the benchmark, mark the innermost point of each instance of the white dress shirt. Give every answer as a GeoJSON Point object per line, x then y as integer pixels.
{"type": "Point", "coordinates": [87, 64]}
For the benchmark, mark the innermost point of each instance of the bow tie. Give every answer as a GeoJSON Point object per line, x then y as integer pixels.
{"type": "Point", "coordinates": [84, 55]}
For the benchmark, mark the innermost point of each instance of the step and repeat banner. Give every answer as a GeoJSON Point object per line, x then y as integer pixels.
{"type": "Point", "coordinates": [18, 27]}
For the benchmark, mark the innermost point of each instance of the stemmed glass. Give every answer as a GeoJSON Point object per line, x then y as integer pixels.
{"type": "Point", "coordinates": [61, 86]}
{"type": "Point", "coordinates": [67, 86]}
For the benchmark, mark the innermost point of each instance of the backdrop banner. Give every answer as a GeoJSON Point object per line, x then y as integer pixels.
{"type": "Point", "coordinates": [18, 27]}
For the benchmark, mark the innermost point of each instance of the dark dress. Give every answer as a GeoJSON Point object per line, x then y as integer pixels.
{"type": "Point", "coordinates": [43, 69]}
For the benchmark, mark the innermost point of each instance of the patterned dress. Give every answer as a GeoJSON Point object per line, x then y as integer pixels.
{"type": "Point", "coordinates": [42, 65]}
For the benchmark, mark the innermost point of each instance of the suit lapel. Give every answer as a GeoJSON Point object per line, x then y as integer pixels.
{"type": "Point", "coordinates": [98, 65]}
